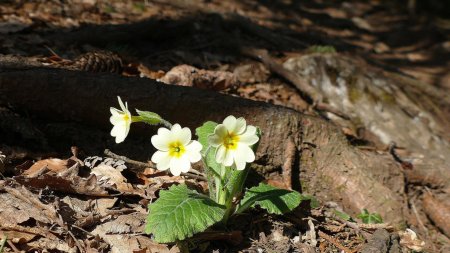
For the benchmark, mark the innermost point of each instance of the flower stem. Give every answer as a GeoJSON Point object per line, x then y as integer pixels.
{"type": "Point", "coordinates": [166, 123]}
{"type": "Point", "coordinates": [221, 188]}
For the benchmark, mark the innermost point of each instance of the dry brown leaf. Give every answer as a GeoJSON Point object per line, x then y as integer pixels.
{"type": "Point", "coordinates": [87, 207]}
{"type": "Point", "coordinates": [121, 234]}
{"type": "Point", "coordinates": [50, 245]}
{"type": "Point", "coordinates": [19, 205]}
{"type": "Point", "coordinates": [17, 237]}
{"type": "Point", "coordinates": [111, 176]}
{"type": "Point", "coordinates": [70, 184]}
{"type": "Point", "coordinates": [277, 94]}
{"type": "Point", "coordinates": [409, 239]}
{"type": "Point", "coordinates": [53, 164]}
{"type": "Point", "coordinates": [252, 73]}
{"type": "Point", "coordinates": [185, 75]}
{"type": "Point", "coordinates": [38, 231]}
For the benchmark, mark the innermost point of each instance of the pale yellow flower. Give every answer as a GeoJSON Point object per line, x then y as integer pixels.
{"type": "Point", "coordinates": [233, 140]}
{"type": "Point", "coordinates": [121, 120]}
{"type": "Point", "coordinates": [176, 150]}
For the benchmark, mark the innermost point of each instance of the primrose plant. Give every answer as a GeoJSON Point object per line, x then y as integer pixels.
{"type": "Point", "coordinates": [226, 150]}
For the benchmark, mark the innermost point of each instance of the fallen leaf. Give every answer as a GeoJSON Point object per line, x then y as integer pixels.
{"type": "Point", "coordinates": [252, 73]}
{"type": "Point", "coordinates": [17, 237]}
{"type": "Point", "coordinates": [52, 164]}
{"type": "Point", "coordinates": [409, 239]}
{"type": "Point", "coordinates": [123, 232]}
{"type": "Point", "coordinates": [70, 184]}
{"type": "Point", "coordinates": [186, 75]}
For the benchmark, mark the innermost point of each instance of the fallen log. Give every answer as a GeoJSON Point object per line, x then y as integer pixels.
{"type": "Point", "coordinates": [325, 163]}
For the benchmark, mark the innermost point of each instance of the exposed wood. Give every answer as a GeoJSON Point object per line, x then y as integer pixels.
{"type": "Point", "coordinates": [329, 167]}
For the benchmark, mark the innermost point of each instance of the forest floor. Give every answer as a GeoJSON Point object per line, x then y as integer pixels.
{"type": "Point", "coordinates": [169, 41]}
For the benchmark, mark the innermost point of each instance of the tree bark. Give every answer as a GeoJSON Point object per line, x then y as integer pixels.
{"type": "Point", "coordinates": [327, 165]}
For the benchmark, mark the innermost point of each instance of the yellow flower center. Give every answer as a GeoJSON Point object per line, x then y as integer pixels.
{"type": "Point", "coordinates": [126, 118]}
{"type": "Point", "coordinates": [176, 149]}
{"type": "Point", "coordinates": [230, 141]}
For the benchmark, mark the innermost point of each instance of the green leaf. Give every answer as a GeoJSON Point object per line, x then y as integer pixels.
{"type": "Point", "coordinates": [179, 213]}
{"type": "Point", "coordinates": [149, 117]}
{"type": "Point", "coordinates": [274, 200]}
{"type": "Point", "coordinates": [203, 132]}
{"type": "Point", "coordinates": [342, 215]}
{"type": "Point", "coordinates": [370, 218]}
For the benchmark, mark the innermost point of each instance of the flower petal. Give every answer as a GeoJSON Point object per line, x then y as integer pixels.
{"type": "Point", "coordinates": [161, 142]}
{"type": "Point", "coordinates": [230, 123]}
{"type": "Point", "coordinates": [119, 131]}
{"type": "Point", "coordinates": [249, 137]}
{"type": "Point", "coordinates": [127, 130]}
{"type": "Point", "coordinates": [122, 106]}
{"type": "Point", "coordinates": [243, 155]}
{"type": "Point", "coordinates": [116, 119]}
{"type": "Point", "coordinates": [178, 165]}
{"type": "Point", "coordinates": [183, 135]}
{"type": "Point", "coordinates": [228, 160]}
{"type": "Point", "coordinates": [193, 151]}
{"type": "Point", "coordinates": [162, 160]}
{"type": "Point", "coordinates": [214, 140]}
{"type": "Point", "coordinates": [220, 154]}
{"type": "Point", "coordinates": [250, 130]}
{"type": "Point", "coordinates": [240, 126]}
{"type": "Point", "coordinates": [221, 131]}
{"type": "Point", "coordinates": [164, 133]}
{"type": "Point", "coordinates": [115, 111]}
{"type": "Point", "coordinates": [175, 128]}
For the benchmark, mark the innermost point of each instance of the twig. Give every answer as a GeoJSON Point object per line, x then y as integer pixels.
{"type": "Point", "coordinates": [76, 241]}
{"type": "Point", "coordinates": [335, 242]}
{"type": "Point", "coordinates": [419, 220]}
{"type": "Point", "coordinates": [13, 247]}
{"type": "Point", "coordinates": [386, 226]}
{"type": "Point", "coordinates": [328, 108]}
{"type": "Point", "coordinates": [82, 229]}
{"type": "Point", "coordinates": [405, 165]}
{"type": "Point", "coordinates": [52, 52]}
{"type": "Point", "coordinates": [128, 160]}
{"type": "Point", "coordinates": [303, 86]}
{"type": "Point", "coordinates": [354, 226]}
{"type": "Point", "coordinates": [198, 175]}
{"type": "Point", "coordinates": [2, 242]}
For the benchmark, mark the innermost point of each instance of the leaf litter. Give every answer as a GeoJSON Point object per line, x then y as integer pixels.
{"type": "Point", "coordinates": [70, 205]}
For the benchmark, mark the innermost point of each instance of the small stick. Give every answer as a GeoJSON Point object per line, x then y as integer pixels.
{"type": "Point", "coordinates": [82, 229]}
{"type": "Point", "coordinates": [386, 226]}
{"type": "Point", "coordinates": [13, 247]}
{"type": "Point", "coordinates": [76, 241]}
{"type": "Point", "coordinates": [52, 52]}
{"type": "Point", "coordinates": [198, 175]}
{"type": "Point", "coordinates": [354, 226]}
{"type": "Point", "coordinates": [139, 164]}
{"type": "Point", "coordinates": [419, 220]}
{"type": "Point", "coordinates": [405, 165]}
{"type": "Point", "coordinates": [335, 242]}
